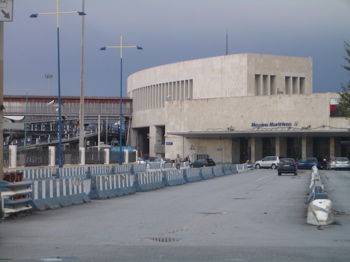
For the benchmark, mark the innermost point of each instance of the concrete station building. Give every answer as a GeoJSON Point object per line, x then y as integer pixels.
{"type": "Point", "coordinates": [233, 108]}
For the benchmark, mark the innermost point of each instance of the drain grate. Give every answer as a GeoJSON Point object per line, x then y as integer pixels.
{"type": "Point", "coordinates": [163, 239]}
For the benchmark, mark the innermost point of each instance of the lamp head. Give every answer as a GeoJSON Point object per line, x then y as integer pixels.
{"type": "Point", "coordinates": [34, 15]}
{"type": "Point", "coordinates": [81, 13]}
{"type": "Point", "coordinates": [103, 48]}
{"type": "Point", "coordinates": [139, 47]}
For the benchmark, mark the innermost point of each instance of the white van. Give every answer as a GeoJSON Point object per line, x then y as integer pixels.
{"type": "Point", "coordinates": [268, 162]}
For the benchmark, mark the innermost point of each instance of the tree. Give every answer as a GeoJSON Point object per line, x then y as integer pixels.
{"type": "Point", "coordinates": [344, 103]}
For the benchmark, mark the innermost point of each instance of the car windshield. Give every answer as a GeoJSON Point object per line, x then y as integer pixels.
{"type": "Point", "coordinates": [287, 161]}
{"type": "Point", "coordinates": [344, 159]}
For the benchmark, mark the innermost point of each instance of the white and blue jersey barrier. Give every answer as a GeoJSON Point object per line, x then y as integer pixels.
{"type": "Point", "coordinates": [55, 193]}
{"type": "Point", "coordinates": [147, 181]}
{"type": "Point", "coordinates": [174, 177]}
{"type": "Point", "coordinates": [207, 172]}
{"type": "Point", "coordinates": [75, 171]}
{"type": "Point", "coordinates": [122, 169]}
{"type": "Point", "coordinates": [109, 186]}
{"type": "Point", "coordinates": [139, 168]}
{"type": "Point", "coordinates": [227, 169]}
{"type": "Point", "coordinates": [32, 174]}
{"type": "Point", "coordinates": [153, 165]}
{"type": "Point", "coordinates": [192, 175]}
{"type": "Point", "coordinates": [217, 170]}
{"type": "Point", "coordinates": [15, 197]}
{"type": "Point", "coordinates": [320, 207]}
{"type": "Point", "coordinates": [98, 170]}
{"type": "Point", "coordinates": [316, 188]}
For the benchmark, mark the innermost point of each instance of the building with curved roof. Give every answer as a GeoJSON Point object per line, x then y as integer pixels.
{"type": "Point", "coordinates": [233, 108]}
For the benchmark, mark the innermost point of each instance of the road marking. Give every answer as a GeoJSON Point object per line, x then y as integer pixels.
{"type": "Point", "coordinates": [264, 177]}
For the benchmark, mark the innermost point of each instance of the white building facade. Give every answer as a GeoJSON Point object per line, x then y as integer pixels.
{"type": "Point", "coordinates": [233, 108]}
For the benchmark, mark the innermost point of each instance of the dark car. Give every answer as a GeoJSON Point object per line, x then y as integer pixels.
{"type": "Point", "coordinates": [203, 162]}
{"type": "Point", "coordinates": [322, 164]}
{"type": "Point", "coordinates": [307, 163]}
{"type": "Point", "coordinates": [287, 165]}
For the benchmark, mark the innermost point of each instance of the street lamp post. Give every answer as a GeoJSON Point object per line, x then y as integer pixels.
{"type": "Point", "coordinates": [121, 94]}
{"type": "Point", "coordinates": [48, 77]}
{"type": "Point", "coordinates": [57, 13]}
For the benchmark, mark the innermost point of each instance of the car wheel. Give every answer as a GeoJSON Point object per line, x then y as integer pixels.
{"type": "Point", "coordinates": [279, 173]}
{"type": "Point", "coordinates": [257, 166]}
{"type": "Point", "coordinates": [273, 166]}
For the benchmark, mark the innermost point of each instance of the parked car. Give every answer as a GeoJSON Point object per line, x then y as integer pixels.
{"type": "Point", "coordinates": [162, 160]}
{"type": "Point", "coordinates": [268, 162]}
{"type": "Point", "coordinates": [287, 165]}
{"type": "Point", "coordinates": [339, 163]}
{"type": "Point", "coordinates": [141, 161]}
{"type": "Point", "coordinates": [203, 162]}
{"type": "Point", "coordinates": [307, 163]}
{"type": "Point", "coordinates": [322, 164]}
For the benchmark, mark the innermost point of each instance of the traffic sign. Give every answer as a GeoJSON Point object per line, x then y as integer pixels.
{"type": "Point", "coordinates": [6, 10]}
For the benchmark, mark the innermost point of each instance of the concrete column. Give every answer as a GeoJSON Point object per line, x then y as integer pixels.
{"type": "Point", "coordinates": [52, 156]}
{"type": "Point", "coordinates": [107, 156]}
{"type": "Point", "coordinates": [283, 146]}
{"type": "Point", "coordinates": [258, 148]}
{"type": "Point", "coordinates": [307, 146]}
{"type": "Point", "coordinates": [236, 150]}
{"type": "Point", "coordinates": [13, 156]}
{"type": "Point", "coordinates": [253, 149]}
{"type": "Point", "coordinates": [278, 146]}
{"type": "Point", "coordinates": [136, 154]}
{"type": "Point", "coordinates": [152, 140]}
{"type": "Point", "coordinates": [82, 155]}
{"type": "Point", "coordinates": [331, 147]}
{"type": "Point", "coordinates": [126, 156]}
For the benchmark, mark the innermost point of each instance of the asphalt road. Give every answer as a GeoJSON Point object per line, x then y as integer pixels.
{"type": "Point", "coordinates": [251, 216]}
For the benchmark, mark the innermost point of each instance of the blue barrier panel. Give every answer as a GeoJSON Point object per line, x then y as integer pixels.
{"type": "Point", "coordinates": [39, 173]}
{"type": "Point", "coordinates": [174, 177]}
{"type": "Point", "coordinates": [207, 172]}
{"type": "Point", "coordinates": [147, 181]}
{"type": "Point", "coordinates": [98, 170]}
{"type": "Point", "coordinates": [75, 171]}
{"type": "Point", "coordinates": [55, 193]}
{"type": "Point", "coordinates": [192, 175]}
{"type": "Point", "coordinates": [122, 169]}
{"type": "Point", "coordinates": [217, 171]}
{"type": "Point", "coordinates": [109, 186]}
{"type": "Point", "coordinates": [154, 165]}
{"type": "Point", "coordinates": [139, 168]}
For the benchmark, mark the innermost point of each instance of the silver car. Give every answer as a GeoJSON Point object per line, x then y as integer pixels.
{"type": "Point", "coordinates": [340, 163]}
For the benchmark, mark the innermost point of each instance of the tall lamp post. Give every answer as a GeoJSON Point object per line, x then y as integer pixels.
{"type": "Point", "coordinates": [48, 77]}
{"type": "Point", "coordinates": [121, 93]}
{"type": "Point", "coordinates": [57, 13]}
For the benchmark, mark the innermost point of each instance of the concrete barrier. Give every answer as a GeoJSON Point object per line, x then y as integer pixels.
{"type": "Point", "coordinates": [227, 169]}
{"type": "Point", "coordinates": [174, 177]}
{"type": "Point", "coordinates": [320, 207]}
{"type": "Point", "coordinates": [110, 186]}
{"type": "Point", "coordinates": [55, 193]}
{"type": "Point", "coordinates": [147, 181]}
{"type": "Point", "coordinates": [192, 175]}
{"type": "Point", "coordinates": [217, 171]}
{"type": "Point", "coordinates": [320, 212]}
{"type": "Point", "coordinates": [207, 172]}
{"type": "Point", "coordinates": [139, 168]}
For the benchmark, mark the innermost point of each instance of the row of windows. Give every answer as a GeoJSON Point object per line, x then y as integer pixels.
{"type": "Point", "coordinates": [154, 96]}
{"type": "Point", "coordinates": [266, 85]}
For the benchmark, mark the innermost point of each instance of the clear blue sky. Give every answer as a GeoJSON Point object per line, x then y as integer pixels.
{"type": "Point", "coordinates": [169, 31]}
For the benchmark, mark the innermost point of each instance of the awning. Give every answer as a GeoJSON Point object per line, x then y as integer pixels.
{"type": "Point", "coordinates": [344, 132]}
